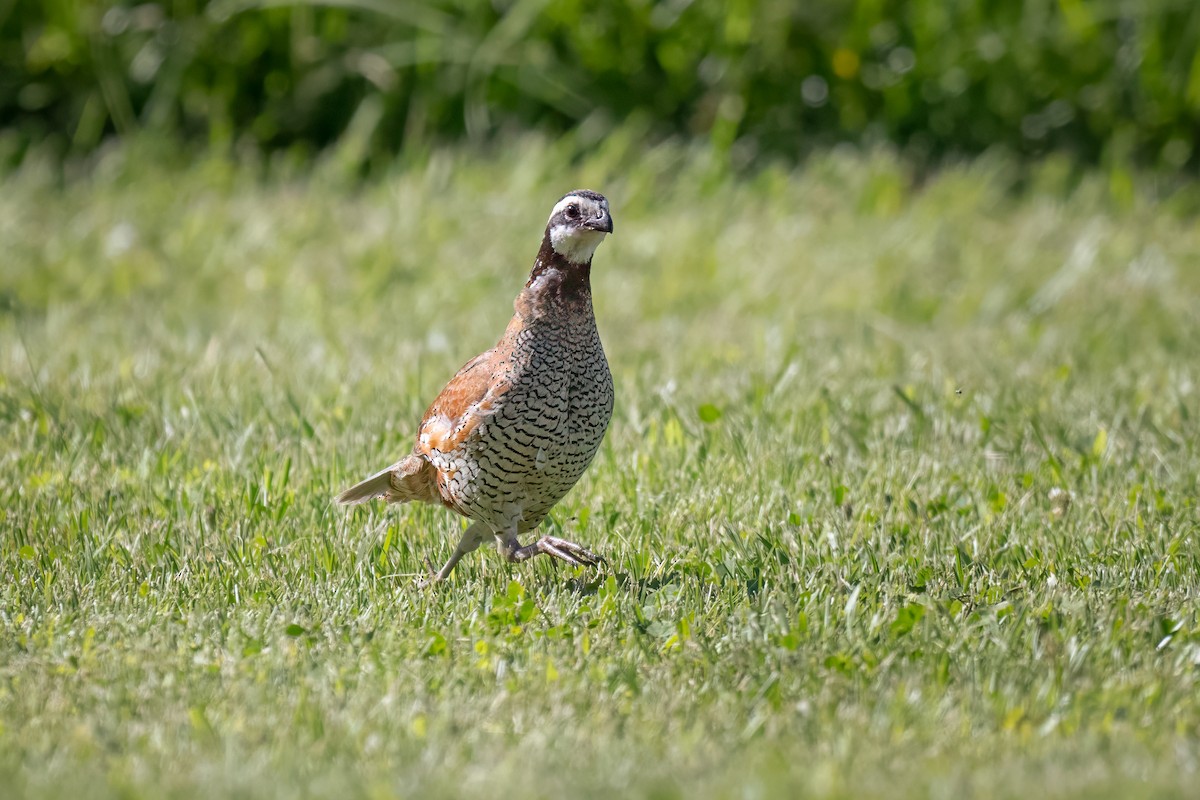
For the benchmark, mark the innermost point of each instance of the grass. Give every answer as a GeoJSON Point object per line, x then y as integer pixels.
{"type": "Point", "coordinates": [899, 499]}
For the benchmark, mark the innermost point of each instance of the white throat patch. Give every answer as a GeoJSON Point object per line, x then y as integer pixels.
{"type": "Point", "coordinates": [575, 244]}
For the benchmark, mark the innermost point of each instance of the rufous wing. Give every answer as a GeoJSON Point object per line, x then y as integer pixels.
{"type": "Point", "coordinates": [455, 414]}
{"type": "Point", "coordinates": [467, 400]}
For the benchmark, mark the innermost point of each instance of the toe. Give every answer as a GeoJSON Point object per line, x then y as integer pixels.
{"type": "Point", "coordinates": [579, 555]}
{"type": "Point", "coordinates": [554, 549]}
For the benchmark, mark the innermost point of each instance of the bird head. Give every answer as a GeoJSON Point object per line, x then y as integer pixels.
{"type": "Point", "coordinates": [578, 224]}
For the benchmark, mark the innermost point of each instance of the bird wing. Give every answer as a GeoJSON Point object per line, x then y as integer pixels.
{"type": "Point", "coordinates": [467, 400]}
{"type": "Point", "coordinates": [455, 413]}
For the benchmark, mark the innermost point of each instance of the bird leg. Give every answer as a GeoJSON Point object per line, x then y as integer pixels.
{"type": "Point", "coordinates": [552, 546]}
{"type": "Point", "coordinates": [472, 537]}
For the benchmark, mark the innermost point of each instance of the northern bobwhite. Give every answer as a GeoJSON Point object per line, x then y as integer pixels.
{"type": "Point", "coordinates": [516, 427]}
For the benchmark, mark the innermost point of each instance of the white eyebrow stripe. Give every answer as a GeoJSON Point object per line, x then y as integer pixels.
{"type": "Point", "coordinates": [566, 201]}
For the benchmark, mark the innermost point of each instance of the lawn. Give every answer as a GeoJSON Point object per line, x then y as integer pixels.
{"type": "Point", "coordinates": [899, 497]}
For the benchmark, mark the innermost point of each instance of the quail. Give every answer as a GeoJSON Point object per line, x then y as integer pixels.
{"type": "Point", "coordinates": [514, 430]}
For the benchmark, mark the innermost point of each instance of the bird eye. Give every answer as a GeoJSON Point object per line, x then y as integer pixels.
{"type": "Point", "coordinates": [572, 211]}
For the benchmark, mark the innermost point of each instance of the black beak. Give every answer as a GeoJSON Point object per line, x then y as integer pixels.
{"type": "Point", "coordinates": [600, 223]}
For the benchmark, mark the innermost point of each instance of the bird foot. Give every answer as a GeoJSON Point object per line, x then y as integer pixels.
{"type": "Point", "coordinates": [561, 549]}
{"type": "Point", "coordinates": [432, 578]}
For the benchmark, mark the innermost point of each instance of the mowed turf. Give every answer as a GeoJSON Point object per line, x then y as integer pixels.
{"type": "Point", "coordinates": [899, 497]}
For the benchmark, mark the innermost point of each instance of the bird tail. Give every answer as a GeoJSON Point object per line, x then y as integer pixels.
{"type": "Point", "coordinates": [375, 486]}
{"type": "Point", "coordinates": [410, 479]}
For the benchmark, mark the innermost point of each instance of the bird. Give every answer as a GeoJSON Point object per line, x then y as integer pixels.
{"type": "Point", "coordinates": [516, 427]}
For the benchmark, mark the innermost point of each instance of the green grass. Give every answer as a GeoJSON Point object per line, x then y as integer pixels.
{"type": "Point", "coordinates": [899, 498]}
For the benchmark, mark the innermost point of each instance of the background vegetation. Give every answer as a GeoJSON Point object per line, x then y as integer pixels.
{"type": "Point", "coordinates": [1112, 81]}
{"type": "Point", "coordinates": [900, 497]}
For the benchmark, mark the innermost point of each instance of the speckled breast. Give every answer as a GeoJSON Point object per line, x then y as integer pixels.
{"type": "Point", "coordinates": [541, 436]}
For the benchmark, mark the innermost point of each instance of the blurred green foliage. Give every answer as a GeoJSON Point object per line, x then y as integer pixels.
{"type": "Point", "coordinates": [1115, 81]}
